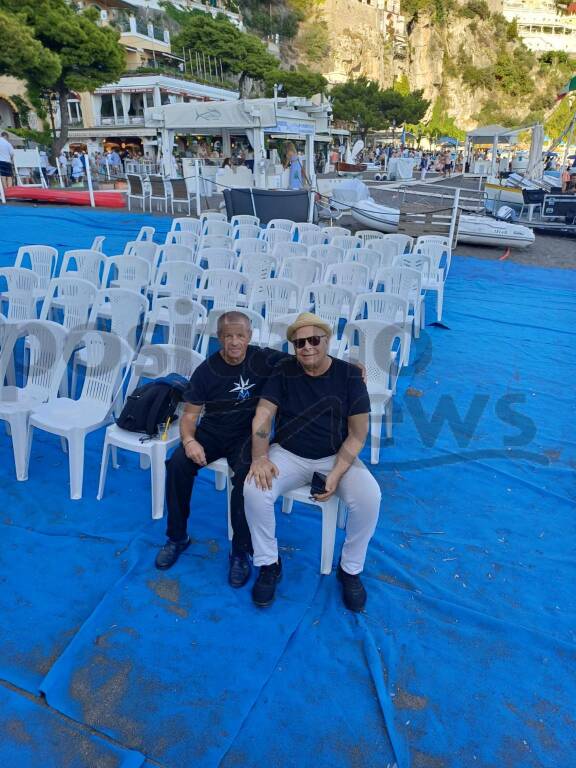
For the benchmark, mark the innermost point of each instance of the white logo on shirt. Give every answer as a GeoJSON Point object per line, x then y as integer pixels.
{"type": "Point", "coordinates": [243, 388]}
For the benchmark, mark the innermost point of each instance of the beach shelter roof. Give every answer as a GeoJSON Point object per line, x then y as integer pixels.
{"type": "Point", "coordinates": [487, 133]}
{"type": "Point", "coordinates": [214, 115]}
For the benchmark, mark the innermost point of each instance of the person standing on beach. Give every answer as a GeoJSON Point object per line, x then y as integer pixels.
{"type": "Point", "coordinates": [6, 161]}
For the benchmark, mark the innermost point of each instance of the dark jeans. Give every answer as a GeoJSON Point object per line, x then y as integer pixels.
{"type": "Point", "coordinates": [181, 472]}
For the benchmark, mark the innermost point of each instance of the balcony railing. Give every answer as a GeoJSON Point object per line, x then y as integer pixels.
{"type": "Point", "coordinates": [137, 26]}
{"type": "Point", "coordinates": [120, 120]}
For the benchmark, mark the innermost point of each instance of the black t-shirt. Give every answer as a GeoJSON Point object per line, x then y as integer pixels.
{"type": "Point", "coordinates": [230, 393]}
{"type": "Point", "coordinates": [313, 411]}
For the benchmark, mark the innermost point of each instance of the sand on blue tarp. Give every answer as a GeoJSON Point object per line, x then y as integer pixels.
{"type": "Point", "coordinates": [35, 737]}
{"type": "Point", "coordinates": [466, 654]}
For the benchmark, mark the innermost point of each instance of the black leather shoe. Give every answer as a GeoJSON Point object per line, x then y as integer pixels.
{"type": "Point", "coordinates": [264, 589]}
{"type": "Point", "coordinates": [353, 591]}
{"type": "Point", "coordinates": [239, 569]}
{"type": "Point", "coordinates": [170, 552]}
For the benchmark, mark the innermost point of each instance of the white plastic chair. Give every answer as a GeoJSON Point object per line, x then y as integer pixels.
{"type": "Point", "coordinates": [245, 230]}
{"type": "Point", "coordinates": [368, 235]}
{"type": "Point", "coordinates": [331, 232]}
{"type": "Point", "coordinates": [125, 309]}
{"type": "Point", "coordinates": [289, 250]}
{"type": "Point", "coordinates": [422, 265]}
{"type": "Point", "coordinates": [182, 237]}
{"type": "Point", "coordinates": [405, 243]}
{"type": "Point", "coordinates": [309, 238]}
{"type": "Point", "coordinates": [177, 278]}
{"type": "Point", "coordinates": [407, 283]}
{"type": "Point", "coordinates": [333, 304]}
{"type": "Point", "coordinates": [376, 352]}
{"type": "Point", "coordinates": [351, 275]}
{"type": "Point", "coordinates": [250, 245]}
{"type": "Point", "coordinates": [439, 256]}
{"type": "Point", "coordinates": [274, 236]}
{"type": "Point", "coordinates": [211, 328]}
{"type": "Point", "coordinates": [225, 288]}
{"type": "Point", "coordinates": [142, 249]}
{"type": "Point", "coordinates": [427, 239]}
{"type": "Point", "coordinates": [300, 227]}
{"type": "Point", "coordinates": [166, 253]}
{"type": "Point", "coordinates": [181, 319]}
{"type": "Point", "coordinates": [330, 519]}
{"type": "Point", "coordinates": [129, 272]}
{"type": "Point", "coordinates": [217, 258]}
{"type": "Point", "coordinates": [146, 234]}
{"type": "Point", "coordinates": [107, 356]}
{"type": "Point", "coordinates": [386, 308]}
{"type": "Point", "coordinates": [42, 260]}
{"type": "Point", "coordinates": [274, 297]}
{"type": "Point", "coordinates": [326, 254]}
{"type": "Point", "coordinates": [257, 266]}
{"type": "Point", "coordinates": [186, 224]}
{"type": "Point", "coordinates": [346, 242]}
{"type": "Point", "coordinates": [20, 293]}
{"type": "Point", "coordinates": [388, 252]}
{"type": "Point", "coordinates": [366, 256]}
{"type": "Point", "coordinates": [97, 243]}
{"type": "Point", "coordinates": [212, 216]}
{"type": "Point", "coordinates": [245, 219]}
{"type": "Point", "coordinates": [301, 270]}
{"type": "Point", "coordinates": [89, 265]}
{"type": "Point", "coordinates": [45, 342]}
{"type": "Point", "coordinates": [211, 228]}
{"type": "Point", "coordinates": [215, 241]}
{"type": "Point", "coordinates": [153, 362]}
{"type": "Point", "coordinates": [73, 297]}
{"type": "Point", "coordinates": [284, 224]}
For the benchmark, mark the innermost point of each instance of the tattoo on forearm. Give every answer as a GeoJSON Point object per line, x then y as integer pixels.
{"type": "Point", "coordinates": [263, 433]}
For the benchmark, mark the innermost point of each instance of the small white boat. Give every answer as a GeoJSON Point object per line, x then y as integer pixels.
{"type": "Point", "coordinates": [477, 230]}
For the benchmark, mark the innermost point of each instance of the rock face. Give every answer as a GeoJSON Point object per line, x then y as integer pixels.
{"type": "Point", "coordinates": [372, 38]}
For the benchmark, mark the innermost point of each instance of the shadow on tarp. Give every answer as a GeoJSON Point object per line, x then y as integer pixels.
{"type": "Point", "coordinates": [33, 736]}
{"type": "Point", "coordinates": [466, 653]}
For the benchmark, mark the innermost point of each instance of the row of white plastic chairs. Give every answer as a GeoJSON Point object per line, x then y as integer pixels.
{"type": "Point", "coordinates": [43, 403]}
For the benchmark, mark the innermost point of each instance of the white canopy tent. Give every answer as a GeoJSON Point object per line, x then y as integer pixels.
{"type": "Point", "coordinates": [491, 134]}
{"type": "Point", "coordinates": [253, 117]}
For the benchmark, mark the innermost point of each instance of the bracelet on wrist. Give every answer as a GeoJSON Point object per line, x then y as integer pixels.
{"type": "Point", "coordinates": [190, 440]}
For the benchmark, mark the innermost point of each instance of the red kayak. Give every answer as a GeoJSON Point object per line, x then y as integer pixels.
{"type": "Point", "coordinates": [107, 199]}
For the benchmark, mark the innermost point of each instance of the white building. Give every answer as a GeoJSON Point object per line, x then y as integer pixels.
{"type": "Point", "coordinates": [540, 25]}
{"type": "Point", "coordinates": [115, 113]}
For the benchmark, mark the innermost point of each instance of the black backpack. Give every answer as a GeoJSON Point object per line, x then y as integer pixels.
{"type": "Point", "coordinates": [151, 405]}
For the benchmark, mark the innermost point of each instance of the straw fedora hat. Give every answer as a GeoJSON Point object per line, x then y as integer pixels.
{"type": "Point", "coordinates": [304, 319]}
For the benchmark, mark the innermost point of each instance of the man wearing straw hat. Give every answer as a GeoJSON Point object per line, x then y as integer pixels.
{"type": "Point", "coordinates": [321, 407]}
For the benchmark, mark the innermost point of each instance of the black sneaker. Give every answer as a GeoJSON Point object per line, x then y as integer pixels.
{"type": "Point", "coordinates": [170, 552]}
{"type": "Point", "coordinates": [239, 568]}
{"type": "Point", "coordinates": [264, 588]}
{"type": "Point", "coordinates": [353, 592]}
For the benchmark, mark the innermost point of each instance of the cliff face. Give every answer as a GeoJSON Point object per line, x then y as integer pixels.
{"type": "Point", "coordinates": [449, 60]}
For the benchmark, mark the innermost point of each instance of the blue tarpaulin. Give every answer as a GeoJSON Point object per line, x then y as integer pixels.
{"type": "Point", "coordinates": [466, 654]}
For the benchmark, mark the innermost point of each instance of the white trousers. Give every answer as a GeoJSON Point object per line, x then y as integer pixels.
{"type": "Point", "coordinates": [357, 488]}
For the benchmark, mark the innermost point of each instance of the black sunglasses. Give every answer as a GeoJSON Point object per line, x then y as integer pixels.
{"type": "Point", "coordinates": [312, 340]}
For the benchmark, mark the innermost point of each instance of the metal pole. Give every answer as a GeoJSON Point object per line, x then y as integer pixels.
{"type": "Point", "coordinates": [2, 195]}
{"type": "Point", "coordinates": [198, 202]}
{"type": "Point", "coordinates": [89, 180]}
{"type": "Point", "coordinates": [455, 207]}
{"type": "Point", "coordinates": [107, 163]}
{"type": "Point", "coordinates": [59, 173]}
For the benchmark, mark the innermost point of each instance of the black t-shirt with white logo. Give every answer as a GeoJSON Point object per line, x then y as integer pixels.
{"type": "Point", "coordinates": [313, 411]}
{"type": "Point", "coordinates": [230, 393]}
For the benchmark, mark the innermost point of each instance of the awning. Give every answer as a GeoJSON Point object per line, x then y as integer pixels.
{"type": "Point", "coordinates": [205, 117]}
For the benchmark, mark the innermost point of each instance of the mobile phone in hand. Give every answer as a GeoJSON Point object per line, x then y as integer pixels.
{"type": "Point", "coordinates": [318, 484]}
